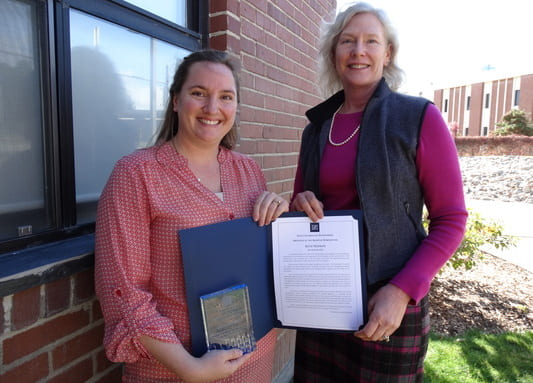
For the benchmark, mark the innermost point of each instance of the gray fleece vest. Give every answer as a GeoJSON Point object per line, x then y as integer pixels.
{"type": "Point", "coordinates": [387, 180]}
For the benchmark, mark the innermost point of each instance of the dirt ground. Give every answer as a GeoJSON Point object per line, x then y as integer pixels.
{"type": "Point", "coordinates": [495, 296]}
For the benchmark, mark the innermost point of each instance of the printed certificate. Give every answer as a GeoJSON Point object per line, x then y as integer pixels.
{"type": "Point", "coordinates": [317, 272]}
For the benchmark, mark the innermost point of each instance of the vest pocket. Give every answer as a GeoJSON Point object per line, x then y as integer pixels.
{"type": "Point", "coordinates": [417, 226]}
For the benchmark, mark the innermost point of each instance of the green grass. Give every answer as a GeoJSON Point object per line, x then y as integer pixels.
{"type": "Point", "coordinates": [476, 357]}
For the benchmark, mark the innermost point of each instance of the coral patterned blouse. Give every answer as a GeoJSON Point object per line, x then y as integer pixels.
{"type": "Point", "coordinates": [150, 195]}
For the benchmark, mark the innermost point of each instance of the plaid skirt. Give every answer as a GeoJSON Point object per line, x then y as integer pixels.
{"type": "Point", "coordinates": [341, 357]}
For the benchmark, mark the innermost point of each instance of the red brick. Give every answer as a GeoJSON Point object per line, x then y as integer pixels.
{"type": "Point", "coordinates": [218, 23]}
{"type": "Point", "coordinates": [255, 114]}
{"type": "Point", "coordinates": [253, 65]}
{"type": "Point", "coordinates": [112, 376]}
{"type": "Point", "coordinates": [251, 131]}
{"type": "Point", "coordinates": [266, 54]}
{"type": "Point", "coordinates": [57, 296]}
{"type": "Point", "coordinates": [286, 6]}
{"type": "Point", "coordinates": [246, 80]}
{"type": "Point", "coordinates": [26, 308]}
{"type": "Point", "coordinates": [83, 286]}
{"type": "Point", "coordinates": [266, 147]}
{"type": "Point", "coordinates": [261, 5]}
{"type": "Point", "coordinates": [278, 75]}
{"type": "Point", "coordinates": [248, 46]}
{"type": "Point", "coordinates": [277, 14]}
{"type": "Point", "coordinates": [224, 5]}
{"type": "Point", "coordinates": [218, 42]}
{"type": "Point", "coordinates": [78, 346]}
{"type": "Point", "coordinates": [233, 44]}
{"type": "Point", "coordinates": [248, 12]}
{"type": "Point", "coordinates": [225, 42]}
{"type": "Point", "coordinates": [80, 372]}
{"type": "Point", "coordinates": [281, 133]}
{"type": "Point", "coordinates": [102, 363]}
{"type": "Point", "coordinates": [31, 371]}
{"type": "Point", "coordinates": [290, 160]}
{"type": "Point", "coordinates": [267, 24]}
{"type": "Point", "coordinates": [288, 186]}
{"type": "Point", "coordinates": [272, 161]}
{"type": "Point", "coordinates": [304, 20]}
{"type": "Point", "coordinates": [40, 336]}
{"type": "Point", "coordinates": [253, 98]}
{"type": "Point", "coordinates": [1, 316]}
{"type": "Point", "coordinates": [97, 311]}
{"type": "Point", "coordinates": [252, 31]}
{"type": "Point", "coordinates": [274, 187]}
{"type": "Point", "coordinates": [247, 146]}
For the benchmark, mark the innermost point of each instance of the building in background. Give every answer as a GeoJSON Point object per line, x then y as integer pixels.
{"type": "Point", "coordinates": [83, 83]}
{"type": "Point", "coordinates": [475, 109]}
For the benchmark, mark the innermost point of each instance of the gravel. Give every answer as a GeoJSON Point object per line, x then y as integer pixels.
{"type": "Point", "coordinates": [498, 178]}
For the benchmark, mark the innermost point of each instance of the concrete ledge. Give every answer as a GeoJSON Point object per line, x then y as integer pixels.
{"type": "Point", "coordinates": [285, 375]}
{"type": "Point", "coordinates": [24, 269]}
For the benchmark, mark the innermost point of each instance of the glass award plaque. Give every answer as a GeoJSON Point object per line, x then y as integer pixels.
{"type": "Point", "coordinates": [228, 319]}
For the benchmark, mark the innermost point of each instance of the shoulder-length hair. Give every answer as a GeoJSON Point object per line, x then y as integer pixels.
{"type": "Point", "coordinates": [170, 126]}
{"type": "Point", "coordinates": [329, 80]}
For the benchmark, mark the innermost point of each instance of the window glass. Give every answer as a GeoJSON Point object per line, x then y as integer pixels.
{"type": "Point", "coordinates": [172, 10]}
{"type": "Point", "coordinates": [120, 82]}
{"type": "Point", "coordinates": [22, 193]}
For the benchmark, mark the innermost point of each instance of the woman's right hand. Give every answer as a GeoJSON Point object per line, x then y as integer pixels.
{"type": "Point", "coordinates": [211, 366]}
{"type": "Point", "coordinates": [308, 203]}
{"type": "Point", "coordinates": [214, 365]}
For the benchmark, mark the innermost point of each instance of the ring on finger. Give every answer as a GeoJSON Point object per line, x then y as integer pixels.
{"type": "Point", "coordinates": [278, 201]}
{"type": "Point", "coordinates": [385, 338]}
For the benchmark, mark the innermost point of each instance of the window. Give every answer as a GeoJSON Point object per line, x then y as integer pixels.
{"type": "Point", "coordinates": [123, 110]}
{"type": "Point", "coordinates": [172, 10]}
{"type": "Point", "coordinates": [487, 100]}
{"type": "Point", "coordinates": [26, 204]}
{"type": "Point", "coordinates": [516, 97]}
{"type": "Point", "coordinates": [113, 62]}
{"type": "Point", "coordinates": [485, 131]}
{"type": "Point", "coordinates": [446, 106]}
{"type": "Point", "coordinates": [468, 103]}
{"type": "Point", "coordinates": [465, 131]}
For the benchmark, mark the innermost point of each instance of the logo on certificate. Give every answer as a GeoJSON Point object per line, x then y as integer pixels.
{"type": "Point", "coordinates": [315, 227]}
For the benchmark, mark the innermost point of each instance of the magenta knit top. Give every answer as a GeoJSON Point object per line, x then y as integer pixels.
{"type": "Point", "coordinates": [439, 175]}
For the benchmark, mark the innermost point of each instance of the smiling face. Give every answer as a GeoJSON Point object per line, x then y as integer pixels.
{"type": "Point", "coordinates": [361, 52]}
{"type": "Point", "coordinates": [206, 105]}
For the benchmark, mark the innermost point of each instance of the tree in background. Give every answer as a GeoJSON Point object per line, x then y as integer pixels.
{"type": "Point", "coordinates": [516, 122]}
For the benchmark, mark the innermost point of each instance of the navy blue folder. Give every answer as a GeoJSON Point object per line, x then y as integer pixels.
{"type": "Point", "coordinates": [236, 252]}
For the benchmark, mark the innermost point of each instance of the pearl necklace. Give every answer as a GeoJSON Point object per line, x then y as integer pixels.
{"type": "Point", "coordinates": [331, 128]}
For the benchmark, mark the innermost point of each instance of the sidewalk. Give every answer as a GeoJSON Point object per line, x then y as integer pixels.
{"type": "Point", "coordinates": [516, 219]}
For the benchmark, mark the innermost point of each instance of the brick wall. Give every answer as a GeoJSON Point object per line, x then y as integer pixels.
{"type": "Point", "coordinates": [53, 332]}
{"type": "Point", "coordinates": [276, 42]}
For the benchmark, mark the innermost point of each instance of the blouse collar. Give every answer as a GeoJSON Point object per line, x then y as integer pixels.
{"type": "Point", "coordinates": [166, 153]}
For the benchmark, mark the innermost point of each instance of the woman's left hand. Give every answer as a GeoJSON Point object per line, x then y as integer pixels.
{"type": "Point", "coordinates": [385, 313]}
{"type": "Point", "coordinates": [268, 207]}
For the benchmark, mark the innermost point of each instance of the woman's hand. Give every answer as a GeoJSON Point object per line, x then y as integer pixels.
{"type": "Point", "coordinates": [214, 365]}
{"type": "Point", "coordinates": [308, 203]}
{"type": "Point", "coordinates": [385, 313]}
{"type": "Point", "coordinates": [211, 366]}
{"type": "Point", "coordinates": [268, 207]}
